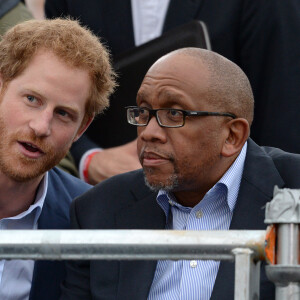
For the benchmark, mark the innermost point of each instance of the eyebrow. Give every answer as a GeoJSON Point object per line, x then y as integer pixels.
{"type": "Point", "coordinates": [170, 98]}
{"type": "Point", "coordinates": [141, 96]}
{"type": "Point", "coordinates": [73, 111]}
{"type": "Point", "coordinates": [30, 91]}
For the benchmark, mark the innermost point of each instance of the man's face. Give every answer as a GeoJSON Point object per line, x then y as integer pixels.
{"type": "Point", "coordinates": [186, 158]}
{"type": "Point", "coordinates": [41, 112]}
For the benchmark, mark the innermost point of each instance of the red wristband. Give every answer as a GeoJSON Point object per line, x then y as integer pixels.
{"type": "Point", "coordinates": [86, 166]}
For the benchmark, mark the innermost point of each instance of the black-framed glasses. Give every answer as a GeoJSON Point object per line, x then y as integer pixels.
{"type": "Point", "coordinates": [166, 117]}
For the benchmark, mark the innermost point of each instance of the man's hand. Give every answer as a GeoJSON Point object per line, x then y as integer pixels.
{"type": "Point", "coordinates": [113, 161]}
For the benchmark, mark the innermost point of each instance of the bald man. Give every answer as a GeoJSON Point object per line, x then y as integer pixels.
{"type": "Point", "coordinates": [200, 172]}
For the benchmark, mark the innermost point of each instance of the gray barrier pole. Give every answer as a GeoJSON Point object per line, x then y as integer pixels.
{"type": "Point", "coordinates": [128, 244]}
{"type": "Point", "coordinates": [247, 275]}
{"type": "Point", "coordinates": [284, 211]}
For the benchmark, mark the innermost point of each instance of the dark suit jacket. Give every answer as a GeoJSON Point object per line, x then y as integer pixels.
{"type": "Point", "coordinates": [62, 188]}
{"type": "Point", "coordinates": [261, 36]}
{"type": "Point", "coordinates": [124, 202]}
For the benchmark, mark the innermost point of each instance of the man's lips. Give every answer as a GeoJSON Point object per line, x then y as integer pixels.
{"type": "Point", "coordinates": [150, 159]}
{"type": "Point", "coordinates": [30, 149]}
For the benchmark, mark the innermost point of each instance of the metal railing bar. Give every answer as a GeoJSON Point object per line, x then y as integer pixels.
{"type": "Point", "coordinates": [129, 244]}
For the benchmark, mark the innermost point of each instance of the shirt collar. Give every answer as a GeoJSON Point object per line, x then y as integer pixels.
{"type": "Point", "coordinates": [35, 208]}
{"type": "Point", "coordinates": [231, 181]}
{"type": "Point", "coordinates": [40, 197]}
{"type": "Point", "coordinates": [232, 178]}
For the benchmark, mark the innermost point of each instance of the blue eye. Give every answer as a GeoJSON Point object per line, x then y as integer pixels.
{"type": "Point", "coordinates": [31, 98]}
{"type": "Point", "coordinates": [62, 112]}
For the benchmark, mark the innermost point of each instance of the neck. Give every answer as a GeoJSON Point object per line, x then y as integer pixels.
{"type": "Point", "coordinates": [16, 197]}
{"type": "Point", "coordinates": [188, 198]}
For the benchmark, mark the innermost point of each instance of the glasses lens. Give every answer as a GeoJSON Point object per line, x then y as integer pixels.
{"type": "Point", "coordinates": [170, 117]}
{"type": "Point", "coordinates": [137, 116]}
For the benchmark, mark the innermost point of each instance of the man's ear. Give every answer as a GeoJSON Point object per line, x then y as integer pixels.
{"type": "Point", "coordinates": [83, 128]}
{"type": "Point", "coordinates": [237, 134]}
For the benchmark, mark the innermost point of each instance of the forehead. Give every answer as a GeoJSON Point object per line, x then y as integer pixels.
{"type": "Point", "coordinates": [51, 77]}
{"type": "Point", "coordinates": [178, 79]}
{"type": "Point", "coordinates": [47, 63]}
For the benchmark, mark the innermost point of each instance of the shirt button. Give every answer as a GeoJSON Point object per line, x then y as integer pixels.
{"type": "Point", "coordinates": [199, 214]}
{"type": "Point", "coordinates": [193, 263]}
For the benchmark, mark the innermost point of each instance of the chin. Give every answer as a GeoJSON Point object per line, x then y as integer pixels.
{"type": "Point", "coordinates": [168, 184]}
{"type": "Point", "coordinates": [22, 177]}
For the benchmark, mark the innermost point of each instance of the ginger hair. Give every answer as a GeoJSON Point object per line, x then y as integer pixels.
{"type": "Point", "coordinates": [74, 44]}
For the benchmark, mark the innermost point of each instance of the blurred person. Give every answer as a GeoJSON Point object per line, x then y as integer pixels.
{"type": "Point", "coordinates": [260, 36]}
{"type": "Point", "coordinates": [54, 77]}
{"type": "Point", "coordinates": [200, 171]}
{"type": "Point", "coordinates": [12, 12]}
{"type": "Point", "coordinates": [37, 8]}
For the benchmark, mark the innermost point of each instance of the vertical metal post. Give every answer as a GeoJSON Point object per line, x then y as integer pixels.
{"type": "Point", "coordinates": [288, 255]}
{"type": "Point", "coordinates": [247, 274]}
{"type": "Point", "coordinates": [284, 211]}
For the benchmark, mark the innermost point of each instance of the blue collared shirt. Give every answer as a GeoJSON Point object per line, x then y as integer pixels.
{"type": "Point", "coordinates": [195, 279]}
{"type": "Point", "coordinates": [16, 275]}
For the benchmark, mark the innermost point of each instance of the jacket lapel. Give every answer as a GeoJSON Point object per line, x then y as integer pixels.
{"type": "Point", "coordinates": [181, 12]}
{"type": "Point", "coordinates": [49, 274]}
{"type": "Point", "coordinates": [258, 181]}
{"type": "Point", "coordinates": [144, 214]}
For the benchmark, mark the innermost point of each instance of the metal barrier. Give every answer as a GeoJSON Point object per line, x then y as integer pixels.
{"type": "Point", "coordinates": [284, 269]}
{"type": "Point", "coordinates": [246, 248]}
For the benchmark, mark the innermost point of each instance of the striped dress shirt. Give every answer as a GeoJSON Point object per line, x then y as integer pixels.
{"type": "Point", "coordinates": [194, 280]}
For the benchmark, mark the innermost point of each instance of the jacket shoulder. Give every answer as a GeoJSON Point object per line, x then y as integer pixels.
{"type": "Point", "coordinates": [287, 164]}
{"type": "Point", "coordinates": [107, 198]}
{"type": "Point", "coordinates": [62, 189]}
{"type": "Point", "coordinates": [63, 182]}
{"type": "Point", "coordinates": [118, 188]}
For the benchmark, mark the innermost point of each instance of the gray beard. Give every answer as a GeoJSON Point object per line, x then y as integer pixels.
{"type": "Point", "coordinates": [171, 185]}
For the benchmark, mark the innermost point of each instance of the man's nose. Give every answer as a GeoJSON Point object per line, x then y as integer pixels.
{"type": "Point", "coordinates": [41, 124]}
{"type": "Point", "coordinates": [152, 132]}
